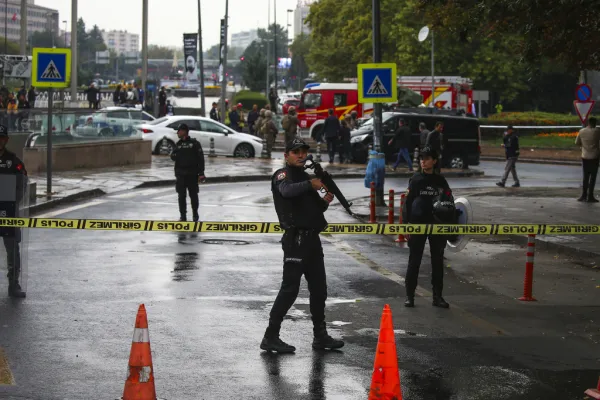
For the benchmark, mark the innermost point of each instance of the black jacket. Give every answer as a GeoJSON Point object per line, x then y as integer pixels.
{"type": "Point", "coordinates": [31, 97]}
{"type": "Point", "coordinates": [435, 139]}
{"type": "Point", "coordinates": [234, 120]}
{"type": "Point", "coordinates": [423, 189]}
{"type": "Point", "coordinates": [402, 137]}
{"type": "Point", "coordinates": [162, 97]}
{"type": "Point", "coordinates": [188, 157]}
{"type": "Point", "coordinates": [92, 94]}
{"type": "Point", "coordinates": [214, 114]}
{"type": "Point", "coordinates": [331, 128]}
{"type": "Point", "coordinates": [423, 138]}
{"type": "Point", "coordinates": [511, 145]}
{"type": "Point", "coordinates": [252, 117]}
{"type": "Point", "coordinates": [345, 134]}
{"type": "Point", "coordinates": [10, 164]}
{"type": "Point", "coordinates": [297, 204]}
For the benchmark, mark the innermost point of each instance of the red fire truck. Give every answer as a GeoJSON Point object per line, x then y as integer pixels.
{"type": "Point", "coordinates": [318, 98]}
{"type": "Point", "coordinates": [451, 92]}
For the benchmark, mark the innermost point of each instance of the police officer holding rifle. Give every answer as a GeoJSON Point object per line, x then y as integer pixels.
{"type": "Point", "coordinates": [300, 211]}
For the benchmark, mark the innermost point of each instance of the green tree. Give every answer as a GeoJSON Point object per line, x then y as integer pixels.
{"type": "Point", "coordinates": [254, 66]}
{"type": "Point", "coordinates": [12, 48]}
{"type": "Point", "coordinates": [95, 40]}
{"type": "Point", "coordinates": [160, 52]}
{"type": "Point", "coordinates": [45, 39]}
{"type": "Point", "coordinates": [300, 49]}
{"type": "Point", "coordinates": [274, 32]}
{"type": "Point", "coordinates": [545, 30]}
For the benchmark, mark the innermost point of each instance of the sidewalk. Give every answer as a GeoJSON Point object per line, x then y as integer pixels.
{"type": "Point", "coordinates": [523, 206]}
{"type": "Point", "coordinates": [75, 185]}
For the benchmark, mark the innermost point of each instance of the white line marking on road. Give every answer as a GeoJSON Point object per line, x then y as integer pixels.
{"type": "Point", "coordinates": [69, 209]}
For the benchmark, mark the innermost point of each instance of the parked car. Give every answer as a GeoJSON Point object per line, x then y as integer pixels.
{"type": "Point", "coordinates": [111, 121]}
{"type": "Point", "coordinates": [461, 137]}
{"type": "Point", "coordinates": [163, 134]}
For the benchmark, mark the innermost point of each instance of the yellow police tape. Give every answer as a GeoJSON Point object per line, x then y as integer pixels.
{"type": "Point", "coordinates": [271, 227]}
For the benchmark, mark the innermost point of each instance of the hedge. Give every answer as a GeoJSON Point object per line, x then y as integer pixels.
{"type": "Point", "coordinates": [534, 118]}
{"type": "Point", "coordinates": [249, 99]}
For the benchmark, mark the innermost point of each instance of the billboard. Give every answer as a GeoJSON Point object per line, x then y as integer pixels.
{"type": "Point", "coordinates": [190, 53]}
{"type": "Point", "coordinates": [16, 66]}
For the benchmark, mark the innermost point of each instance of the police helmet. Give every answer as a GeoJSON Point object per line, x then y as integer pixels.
{"type": "Point", "coordinates": [429, 152]}
{"type": "Point", "coordinates": [183, 127]}
{"type": "Point", "coordinates": [444, 210]}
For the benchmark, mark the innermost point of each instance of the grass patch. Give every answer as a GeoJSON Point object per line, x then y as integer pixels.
{"type": "Point", "coordinates": [556, 142]}
{"type": "Point", "coordinates": [533, 118]}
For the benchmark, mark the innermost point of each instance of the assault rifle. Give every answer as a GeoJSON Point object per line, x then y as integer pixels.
{"type": "Point", "coordinates": [327, 180]}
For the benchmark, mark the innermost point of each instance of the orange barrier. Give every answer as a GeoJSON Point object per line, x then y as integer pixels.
{"type": "Point", "coordinates": [391, 207]}
{"type": "Point", "coordinates": [401, 237]}
{"type": "Point", "coordinates": [594, 393]}
{"type": "Point", "coordinates": [140, 375]}
{"type": "Point", "coordinates": [385, 384]}
{"type": "Point", "coordinates": [373, 216]}
{"type": "Point", "coordinates": [528, 281]}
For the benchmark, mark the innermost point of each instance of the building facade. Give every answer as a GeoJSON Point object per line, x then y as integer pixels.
{"type": "Point", "coordinates": [244, 39]}
{"type": "Point", "coordinates": [300, 15]}
{"type": "Point", "coordinates": [121, 41]}
{"type": "Point", "coordinates": [39, 19]}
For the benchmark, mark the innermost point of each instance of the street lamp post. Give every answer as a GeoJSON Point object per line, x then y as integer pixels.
{"type": "Point", "coordinates": [224, 82]}
{"type": "Point", "coordinates": [275, 45]}
{"type": "Point", "coordinates": [423, 33]}
{"type": "Point", "coordinates": [201, 61]}
{"type": "Point", "coordinates": [65, 22]}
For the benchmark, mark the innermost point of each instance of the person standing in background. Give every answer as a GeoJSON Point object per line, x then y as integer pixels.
{"type": "Point", "coordinates": [589, 140]}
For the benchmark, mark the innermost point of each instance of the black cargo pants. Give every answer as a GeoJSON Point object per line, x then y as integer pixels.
{"type": "Point", "coordinates": [302, 255]}
{"type": "Point", "coordinates": [183, 185]}
{"type": "Point", "coordinates": [13, 257]}
{"type": "Point", "coordinates": [416, 243]}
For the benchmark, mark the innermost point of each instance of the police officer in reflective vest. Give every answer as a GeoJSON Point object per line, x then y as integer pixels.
{"type": "Point", "coordinates": [189, 170]}
{"type": "Point", "coordinates": [429, 201]}
{"type": "Point", "coordinates": [300, 211]}
{"type": "Point", "coordinates": [10, 164]}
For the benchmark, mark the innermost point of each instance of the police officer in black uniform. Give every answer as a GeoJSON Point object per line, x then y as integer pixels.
{"type": "Point", "coordinates": [428, 193]}
{"type": "Point", "coordinates": [189, 170]}
{"type": "Point", "coordinates": [300, 211]}
{"type": "Point", "coordinates": [11, 164]}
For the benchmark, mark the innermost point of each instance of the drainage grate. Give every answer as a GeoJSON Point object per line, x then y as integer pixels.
{"type": "Point", "coordinates": [225, 241]}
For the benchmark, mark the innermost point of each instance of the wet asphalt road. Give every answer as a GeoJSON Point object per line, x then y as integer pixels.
{"type": "Point", "coordinates": [208, 298]}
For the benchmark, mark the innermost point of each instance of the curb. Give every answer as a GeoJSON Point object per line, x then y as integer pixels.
{"type": "Point", "coordinates": [532, 161]}
{"type": "Point", "coordinates": [259, 178]}
{"type": "Point", "coordinates": [84, 195]}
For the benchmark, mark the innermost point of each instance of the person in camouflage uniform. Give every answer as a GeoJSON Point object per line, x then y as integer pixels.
{"type": "Point", "coordinates": [269, 130]}
{"type": "Point", "coordinates": [290, 124]}
{"type": "Point", "coordinates": [259, 124]}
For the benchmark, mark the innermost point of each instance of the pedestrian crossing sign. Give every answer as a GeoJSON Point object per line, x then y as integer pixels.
{"type": "Point", "coordinates": [51, 68]}
{"type": "Point", "coordinates": [377, 83]}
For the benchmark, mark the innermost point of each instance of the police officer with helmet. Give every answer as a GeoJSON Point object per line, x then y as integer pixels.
{"type": "Point", "coordinates": [300, 211]}
{"type": "Point", "coordinates": [10, 164]}
{"type": "Point", "coordinates": [189, 170]}
{"type": "Point", "coordinates": [429, 201]}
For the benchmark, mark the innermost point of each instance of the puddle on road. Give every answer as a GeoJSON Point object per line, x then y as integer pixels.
{"type": "Point", "coordinates": [340, 323]}
{"type": "Point", "coordinates": [185, 263]}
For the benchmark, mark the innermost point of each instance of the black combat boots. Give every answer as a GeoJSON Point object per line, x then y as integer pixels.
{"type": "Point", "coordinates": [14, 289]}
{"type": "Point", "coordinates": [410, 301]}
{"type": "Point", "coordinates": [272, 342]}
{"type": "Point", "coordinates": [438, 301]}
{"type": "Point", "coordinates": [323, 341]}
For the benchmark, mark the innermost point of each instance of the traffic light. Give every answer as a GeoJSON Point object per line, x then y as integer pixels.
{"type": "Point", "coordinates": [242, 58]}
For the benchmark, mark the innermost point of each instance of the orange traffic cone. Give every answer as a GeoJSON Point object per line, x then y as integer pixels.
{"type": "Point", "coordinates": [385, 384]}
{"type": "Point", "coordinates": [140, 375]}
{"type": "Point", "coordinates": [594, 393]}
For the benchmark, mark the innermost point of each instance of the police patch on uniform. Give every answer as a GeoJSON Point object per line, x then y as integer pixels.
{"type": "Point", "coordinates": [281, 176]}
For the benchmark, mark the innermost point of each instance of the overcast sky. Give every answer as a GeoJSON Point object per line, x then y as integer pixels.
{"type": "Point", "coordinates": [170, 19]}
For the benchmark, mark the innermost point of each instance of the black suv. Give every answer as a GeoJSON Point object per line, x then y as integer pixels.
{"type": "Point", "coordinates": [461, 137]}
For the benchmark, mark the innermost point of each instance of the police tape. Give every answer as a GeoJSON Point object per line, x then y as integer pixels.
{"type": "Point", "coordinates": [272, 227]}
